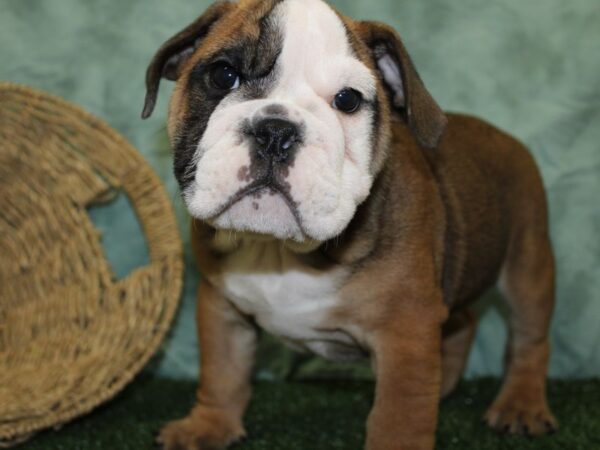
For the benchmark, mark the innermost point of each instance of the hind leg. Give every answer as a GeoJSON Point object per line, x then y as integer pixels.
{"type": "Point", "coordinates": [527, 281]}
{"type": "Point", "coordinates": [458, 334]}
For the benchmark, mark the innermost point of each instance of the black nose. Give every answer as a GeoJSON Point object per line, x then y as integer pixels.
{"type": "Point", "coordinates": [275, 138]}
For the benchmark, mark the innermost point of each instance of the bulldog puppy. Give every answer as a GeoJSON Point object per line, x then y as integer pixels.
{"type": "Point", "coordinates": [338, 207]}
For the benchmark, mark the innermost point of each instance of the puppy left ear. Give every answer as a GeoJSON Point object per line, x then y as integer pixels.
{"type": "Point", "coordinates": [169, 58]}
{"type": "Point", "coordinates": [409, 96]}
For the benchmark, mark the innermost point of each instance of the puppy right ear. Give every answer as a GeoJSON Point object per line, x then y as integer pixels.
{"type": "Point", "coordinates": [169, 58]}
{"type": "Point", "coordinates": [408, 95]}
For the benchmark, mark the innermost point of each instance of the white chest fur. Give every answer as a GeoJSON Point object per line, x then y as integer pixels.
{"type": "Point", "coordinates": [288, 297]}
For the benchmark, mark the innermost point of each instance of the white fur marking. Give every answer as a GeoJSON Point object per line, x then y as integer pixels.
{"type": "Point", "coordinates": [286, 297]}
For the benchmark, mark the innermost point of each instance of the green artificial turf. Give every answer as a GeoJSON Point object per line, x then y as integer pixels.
{"type": "Point", "coordinates": [323, 415]}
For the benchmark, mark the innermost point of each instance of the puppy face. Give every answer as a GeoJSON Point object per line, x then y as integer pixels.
{"type": "Point", "coordinates": [280, 119]}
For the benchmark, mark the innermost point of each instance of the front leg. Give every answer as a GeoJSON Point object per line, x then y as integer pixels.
{"type": "Point", "coordinates": [407, 364]}
{"type": "Point", "coordinates": [227, 347]}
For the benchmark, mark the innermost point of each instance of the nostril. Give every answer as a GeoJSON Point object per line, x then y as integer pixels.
{"type": "Point", "coordinates": [288, 142]}
{"type": "Point", "coordinates": [261, 139]}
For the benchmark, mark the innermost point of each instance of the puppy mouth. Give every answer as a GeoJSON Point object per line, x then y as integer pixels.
{"type": "Point", "coordinates": [258, 187]}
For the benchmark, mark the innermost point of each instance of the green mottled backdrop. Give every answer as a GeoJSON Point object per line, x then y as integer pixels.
{"type": "Point", "coordinates": [531, 67]}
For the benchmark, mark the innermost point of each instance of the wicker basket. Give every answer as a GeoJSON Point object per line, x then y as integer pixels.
{"type": "Point", "coordinates": [71, 336]}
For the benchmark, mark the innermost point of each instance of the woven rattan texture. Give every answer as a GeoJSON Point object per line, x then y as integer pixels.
{"type": "Point", "coordinates": [71, 335]}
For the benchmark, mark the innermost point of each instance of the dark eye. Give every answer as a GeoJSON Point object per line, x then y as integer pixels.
{"type": "Point", "coordinates": [225, 77]}
{"type": "Point", "coordinates": [347, 100]}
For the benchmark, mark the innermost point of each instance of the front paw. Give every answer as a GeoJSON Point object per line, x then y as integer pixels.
{"type": "Point", "coordinates": [520, 412]}
{"type": "Point", "coordinates": [203, 429]}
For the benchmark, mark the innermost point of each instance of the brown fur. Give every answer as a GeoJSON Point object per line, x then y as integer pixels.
{"type": "Point", "coordinates": [439, 228]}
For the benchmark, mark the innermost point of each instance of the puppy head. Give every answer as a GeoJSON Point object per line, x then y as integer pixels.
{"type": "Point", "coordinates": [280, 118]}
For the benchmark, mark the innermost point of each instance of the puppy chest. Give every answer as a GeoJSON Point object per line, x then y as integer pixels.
{"type": "Point", "coordinates": [289, 299]}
